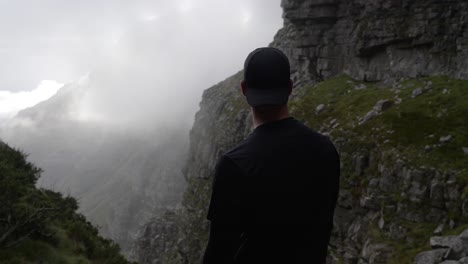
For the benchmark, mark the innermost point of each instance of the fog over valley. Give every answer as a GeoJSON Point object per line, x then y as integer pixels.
{"type": "Point", "coordinates": [102, 94]}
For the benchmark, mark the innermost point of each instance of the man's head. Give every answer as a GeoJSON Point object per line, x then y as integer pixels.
{"type": "Point", "coordinates": [266, 78]}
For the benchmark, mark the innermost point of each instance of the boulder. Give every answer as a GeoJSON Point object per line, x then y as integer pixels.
{"type": "Point", "coordinates": [416, 92]}
{"type": "Point", "coordinates": [371, 114]}
{"type": "Point", "coordinates": [442, 241]}
{"type": "Point", "coordinates": [319, 108]}
{"type": "Point", "coordinates": [464, 236]}
{"type": "Point", "coordinates": [434, 256]}
{"type": "Point", "coordinates": [383, 105]}
{"type": "Point", "coordinates": [445, 139]}
{"type": "Point", "coordinates": [457, 248]}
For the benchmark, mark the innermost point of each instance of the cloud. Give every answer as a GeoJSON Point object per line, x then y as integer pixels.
{"type": "Point", "coordinates": [12, 102]}
{"type": "Point", "coordinates": [149, 60]}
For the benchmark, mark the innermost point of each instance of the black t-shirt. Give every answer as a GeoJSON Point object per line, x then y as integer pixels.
{"type": "Point", "coordinates": [280, 186]}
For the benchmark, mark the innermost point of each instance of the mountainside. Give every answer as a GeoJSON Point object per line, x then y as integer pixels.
{"type": "Point", "coordinates": [121, 175]}
{"type": "Point", "coordinates": [41, 226]}
{"type": "Point", "coordinates": [387, 82]}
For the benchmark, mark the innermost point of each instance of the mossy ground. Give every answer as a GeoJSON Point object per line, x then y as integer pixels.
{"type": "Point", "coordinates": [411, 129]}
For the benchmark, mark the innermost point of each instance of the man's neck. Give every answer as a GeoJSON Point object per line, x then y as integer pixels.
{"type": "Point", "coordinates": [268, 113]}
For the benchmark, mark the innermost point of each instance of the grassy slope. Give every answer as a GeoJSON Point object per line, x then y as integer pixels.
{"type": "Point", "coordinates": [70, 237]}
{"type": "Point", "coordinates": [405, 128]}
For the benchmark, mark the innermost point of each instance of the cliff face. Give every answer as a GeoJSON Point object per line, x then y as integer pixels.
{"type": "Point", "coordinates": [375, 40]}
{"type": "Point", "coordinates": [398, 128]}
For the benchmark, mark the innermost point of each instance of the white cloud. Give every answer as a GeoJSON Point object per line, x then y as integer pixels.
{"type": "Point", "coordinates": [12, 102]}
{"type": "Point", "coordinates": [149, 60]}
{"type": "Point", "coordinates": [185, 6]}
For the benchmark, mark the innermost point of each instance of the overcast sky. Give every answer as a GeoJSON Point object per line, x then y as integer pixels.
{"type": "Point", "coordinates": [138, 52]}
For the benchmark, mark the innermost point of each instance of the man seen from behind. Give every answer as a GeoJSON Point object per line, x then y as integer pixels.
{"type": "Point", "coordinates": [275, 193]}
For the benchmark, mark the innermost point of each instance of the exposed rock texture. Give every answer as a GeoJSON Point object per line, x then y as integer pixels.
{"type": "Point", "coordinates": [375, 40]}
{"type": "Point", "coordinates": [219, 125]}
{"type": "Point", "coordinates": [446, 250]}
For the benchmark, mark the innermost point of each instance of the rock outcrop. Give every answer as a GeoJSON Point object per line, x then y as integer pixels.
{"type": "Point", "coordinates": [446, 250]}
{"type": "Point", "coordinates": [379, 40]}
{"type": "Point", "coordinates": [391, 199]}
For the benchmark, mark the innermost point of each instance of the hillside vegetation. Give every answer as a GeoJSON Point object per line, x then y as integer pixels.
{"type": "Point", "coordinates": [421, 123]}
{"type": "Point", "coordinates": [42, 226]}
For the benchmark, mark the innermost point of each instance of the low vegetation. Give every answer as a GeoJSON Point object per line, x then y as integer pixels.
{"type": "Point", "coordinates": [42, 226]}
{"type": "Point", "coordinates": [425, 123]}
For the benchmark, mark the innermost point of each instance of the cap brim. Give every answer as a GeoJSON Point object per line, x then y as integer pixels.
{"type": "Point", "coordinates": [257, 97]}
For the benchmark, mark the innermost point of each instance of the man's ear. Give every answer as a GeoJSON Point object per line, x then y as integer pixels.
{"type": "Point", "coordinates": [291, 84]}
{"type": "Point", "coordinates": [243, 87]}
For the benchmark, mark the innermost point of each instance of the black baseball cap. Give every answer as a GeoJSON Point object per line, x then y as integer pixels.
{"type": "Point", "coordinates": [267, 77]}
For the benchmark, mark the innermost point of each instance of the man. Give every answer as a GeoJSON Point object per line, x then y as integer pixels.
{"type": "Point", "coordinates": [275, 193]}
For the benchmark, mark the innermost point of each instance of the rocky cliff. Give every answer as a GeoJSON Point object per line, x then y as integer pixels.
{"type": "Point", "coordinates": [385, 80]}
{"type": "Point", "coordinates": [374, 40]}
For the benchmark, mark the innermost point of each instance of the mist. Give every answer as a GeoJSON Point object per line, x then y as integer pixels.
{"type": "Point", "coordinates": [102, 94]}
{"type": "Point", "coordinates": [143, 59]}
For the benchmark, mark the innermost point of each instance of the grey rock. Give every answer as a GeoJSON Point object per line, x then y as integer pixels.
{"type": "Point", "coordinates": [452, 193]}
{"type": "Point", "coordinates": [416, 92]}
{"type": "Point", "coordinates": [323, 38]}
{"type": "Point", "coordinates": [445, 139]}
{"type": "Point", "coordinates": [465, 150]}
{"type": "Point", "coordinates": [442, 242]}
{"type": "Point", "coordinates": [370, 202]}
{"type": "Point", "coordinates": [463, 260]}
{"type": "Point", "coordinates": [458, 248]}
{"type": "Point", "coordinates": [381, 223]}
{"type": "Point", "coordinates": [383, 105]}
{"type": "Point", "coordinates": [361, 86]}
{"type": "Point", "coordinates": [371, 114]}
{"type": "Point", "coordinates": [450, 262]}
{"type": "Point", "coordinates": [319, 108]}
{"type": "Point", "coordinates": [417, 192]}
{"type": "Point", "coordinates": [464, 236]}
{"type": "Point", "coordinates": [376, 253]}
{"type": "Point", "coordinates": [439, 229]}
{"type": "Point", "coordinates": [434, 256]}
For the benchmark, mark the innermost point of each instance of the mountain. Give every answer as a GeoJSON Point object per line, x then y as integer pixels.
{"type": "Point", "coordinates": [387, 81]}
{"type": "Point", "coordinates": [42, 226]}
{"type": "Point", "coordinates": [122, 174]}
